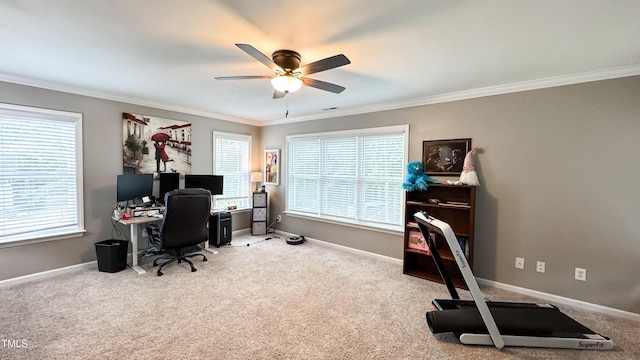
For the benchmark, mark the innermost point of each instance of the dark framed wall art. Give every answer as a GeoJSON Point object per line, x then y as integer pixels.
{"type": "Point", "coordinates": [444, 157]}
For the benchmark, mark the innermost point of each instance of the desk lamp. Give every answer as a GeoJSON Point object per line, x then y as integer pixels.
{"type": "Point", "coordinates": [256, 177]}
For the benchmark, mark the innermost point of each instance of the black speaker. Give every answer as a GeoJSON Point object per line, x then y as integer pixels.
{"type": "Point", "coordinates": [168, 182]}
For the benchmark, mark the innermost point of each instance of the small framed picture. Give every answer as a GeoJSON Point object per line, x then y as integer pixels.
{"type": "Point", "coordinates": [444, 157]}
{"type": "Point", "coordinates": [272, 167]}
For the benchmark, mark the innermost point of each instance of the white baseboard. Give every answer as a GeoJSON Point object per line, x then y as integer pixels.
{"type": "Point", "coordinates": [562, 300]}
{"type": "Point", "coordinates": [485, 282]}
{"type": "Point", "coordinates": [240, 232]}
{"type": "Point", "coordinates": [512, 288]}
{"type": "Point", "coordinates": [88, 266]}
{"type": "Point", "coordinates": [48, 274]}
{"type": "Point", "coordinates": [345, 248]}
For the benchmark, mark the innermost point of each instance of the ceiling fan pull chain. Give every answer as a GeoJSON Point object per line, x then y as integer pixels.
{"type": "Point", "coordinates": [286, 115]}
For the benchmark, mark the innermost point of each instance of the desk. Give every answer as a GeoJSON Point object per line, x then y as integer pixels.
{"type": "Point", "coordinates": [134, 223]}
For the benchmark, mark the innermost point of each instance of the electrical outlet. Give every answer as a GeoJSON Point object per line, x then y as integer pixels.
{"type": "Point", "coordinates": [581, 274]}
{"type": "Point", "coordinates": [540, 266]}
{"type": "Point", "coordinates": [519, 263]}
{"type": "Point", "coordinates": [278, 218]}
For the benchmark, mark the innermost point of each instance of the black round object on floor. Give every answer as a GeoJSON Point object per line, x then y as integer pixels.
{"type": "Point", "coordinates": [295, 240]}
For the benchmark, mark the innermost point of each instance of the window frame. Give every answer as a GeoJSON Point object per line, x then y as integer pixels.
{"type": "Point", "coordinates": [78, 229]}
{"type": "Point", "coordinates": [393, 229]}
{"type": "Point", "coordinates": [240, 137]}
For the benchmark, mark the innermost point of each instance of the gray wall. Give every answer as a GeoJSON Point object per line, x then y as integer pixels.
{"type": "Point", "coordinates": [558, 169]}
{"type": "Point", "coordinates": [102, 147]}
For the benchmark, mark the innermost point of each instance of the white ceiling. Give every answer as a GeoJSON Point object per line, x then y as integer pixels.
{"type": "Point", "coordinates": [166, 53]}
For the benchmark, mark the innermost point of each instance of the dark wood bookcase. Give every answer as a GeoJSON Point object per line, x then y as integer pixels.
{"type": "Point", "coordinates": [453, 204]}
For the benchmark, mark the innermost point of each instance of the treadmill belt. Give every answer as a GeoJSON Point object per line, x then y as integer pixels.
{"type": "Point", "coordinates": [524, 321]}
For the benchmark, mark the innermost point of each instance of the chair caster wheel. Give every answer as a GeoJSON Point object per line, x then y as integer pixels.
{"type": "Point", "coordinates": [160, 273]}
{"type": "Point", "coordinates": [194, 270]}
{"type": "Point", "coordinates": [205, 259]}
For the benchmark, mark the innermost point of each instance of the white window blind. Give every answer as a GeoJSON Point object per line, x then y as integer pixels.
{"type": "Point", "coordinates": [40, 173]}
{"type": "Point", "coordinates": [350, 176]}
{"type": "Point", "coordinates": [232, 160]}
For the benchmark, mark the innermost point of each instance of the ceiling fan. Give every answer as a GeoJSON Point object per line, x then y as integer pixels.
{"type": "Point", "coordinates": [289, 75]}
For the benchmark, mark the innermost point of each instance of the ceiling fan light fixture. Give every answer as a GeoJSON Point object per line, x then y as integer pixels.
{"type": "Point", "coordinates": [286, 83]}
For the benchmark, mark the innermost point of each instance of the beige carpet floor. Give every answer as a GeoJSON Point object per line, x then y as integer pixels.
{"type": "Point", "coordinates": [268, 300]}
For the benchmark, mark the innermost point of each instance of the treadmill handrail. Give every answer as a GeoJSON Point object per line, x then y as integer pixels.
{"type": "Point", "coordinates": [435, 254]}
{"type": "Point", "coordinates": [443, 228]}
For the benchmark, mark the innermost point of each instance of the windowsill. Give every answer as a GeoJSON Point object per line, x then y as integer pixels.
{"type": "Point", "coordinates": [44, 238]}
{"type": "Point", "coordinates": [394, 230]}
{"type": "Point", "coordinates": [232, 211]}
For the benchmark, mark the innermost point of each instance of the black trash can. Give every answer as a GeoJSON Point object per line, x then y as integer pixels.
{"type": "Point", "coordinates": [112, 255]}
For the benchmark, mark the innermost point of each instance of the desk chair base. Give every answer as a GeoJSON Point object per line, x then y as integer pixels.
{"type": "Point", "coordinates": [179, 258]}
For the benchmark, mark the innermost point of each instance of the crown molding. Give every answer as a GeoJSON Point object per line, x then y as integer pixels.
{"type": "Point", "coordinates": [604, 74]}
{"type": "Point", "coordinates": [571, 79]}
{"type": "Point", "coordinates": [119, 98]}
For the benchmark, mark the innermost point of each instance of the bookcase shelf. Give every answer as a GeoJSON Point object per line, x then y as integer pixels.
{"type": "Point", "coordinates": [453, 204]}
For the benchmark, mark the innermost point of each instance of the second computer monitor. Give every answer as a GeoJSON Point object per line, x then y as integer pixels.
{"type": "Point", "coordinates": [168, 182]}
{"type": "Point", "coordinates": [213, 183]}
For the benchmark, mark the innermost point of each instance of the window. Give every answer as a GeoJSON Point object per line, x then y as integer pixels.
{"type": "Point", "coordinates": [349, 176]}
{"type": "Point", "coordinates": [231, 158]}
{"type": "Point", "coordinates": [40, 174]}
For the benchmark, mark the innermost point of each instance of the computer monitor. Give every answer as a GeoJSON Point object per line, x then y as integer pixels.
{"type": "Point", "coordinates": [134, 186]}
{"type": "Point", "coordinates": [167, 182]}
{"type": "Point", "coordinates": [213, 183]}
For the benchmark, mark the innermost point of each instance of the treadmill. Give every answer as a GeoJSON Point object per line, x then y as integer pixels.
{"type": "Point", "coordinates": [483, 322]}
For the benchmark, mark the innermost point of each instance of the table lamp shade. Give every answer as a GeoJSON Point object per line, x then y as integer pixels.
{"type": "Point", "coordinates": [256, 176]}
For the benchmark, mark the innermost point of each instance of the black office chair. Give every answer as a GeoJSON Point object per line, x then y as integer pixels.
{"type": "Point", "coordinates": [185, 225]}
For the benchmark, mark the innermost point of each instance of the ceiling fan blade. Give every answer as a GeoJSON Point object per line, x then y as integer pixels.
{"type": "Point", "coordinates": [323, 85]}
{"type": "Point", "coordinates": [324, 64]}
{"type": "Point", "coordinates": [256, 54]}
{"type": "Point", "coordinates": [242, 77]}
{"type": "Point", "coordinates": [278, 94]}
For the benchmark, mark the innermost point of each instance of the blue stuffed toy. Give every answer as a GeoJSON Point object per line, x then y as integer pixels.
{"type": "Point", "coordinates": [416, 178]}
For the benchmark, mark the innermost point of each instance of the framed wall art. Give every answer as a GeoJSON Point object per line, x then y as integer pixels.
{"type": "Point", "coordinates": [155, 145]}
{"type": "Point", "coordinates": [444, 157]}
{"type": "Point", "coordinates": [272, 167]}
